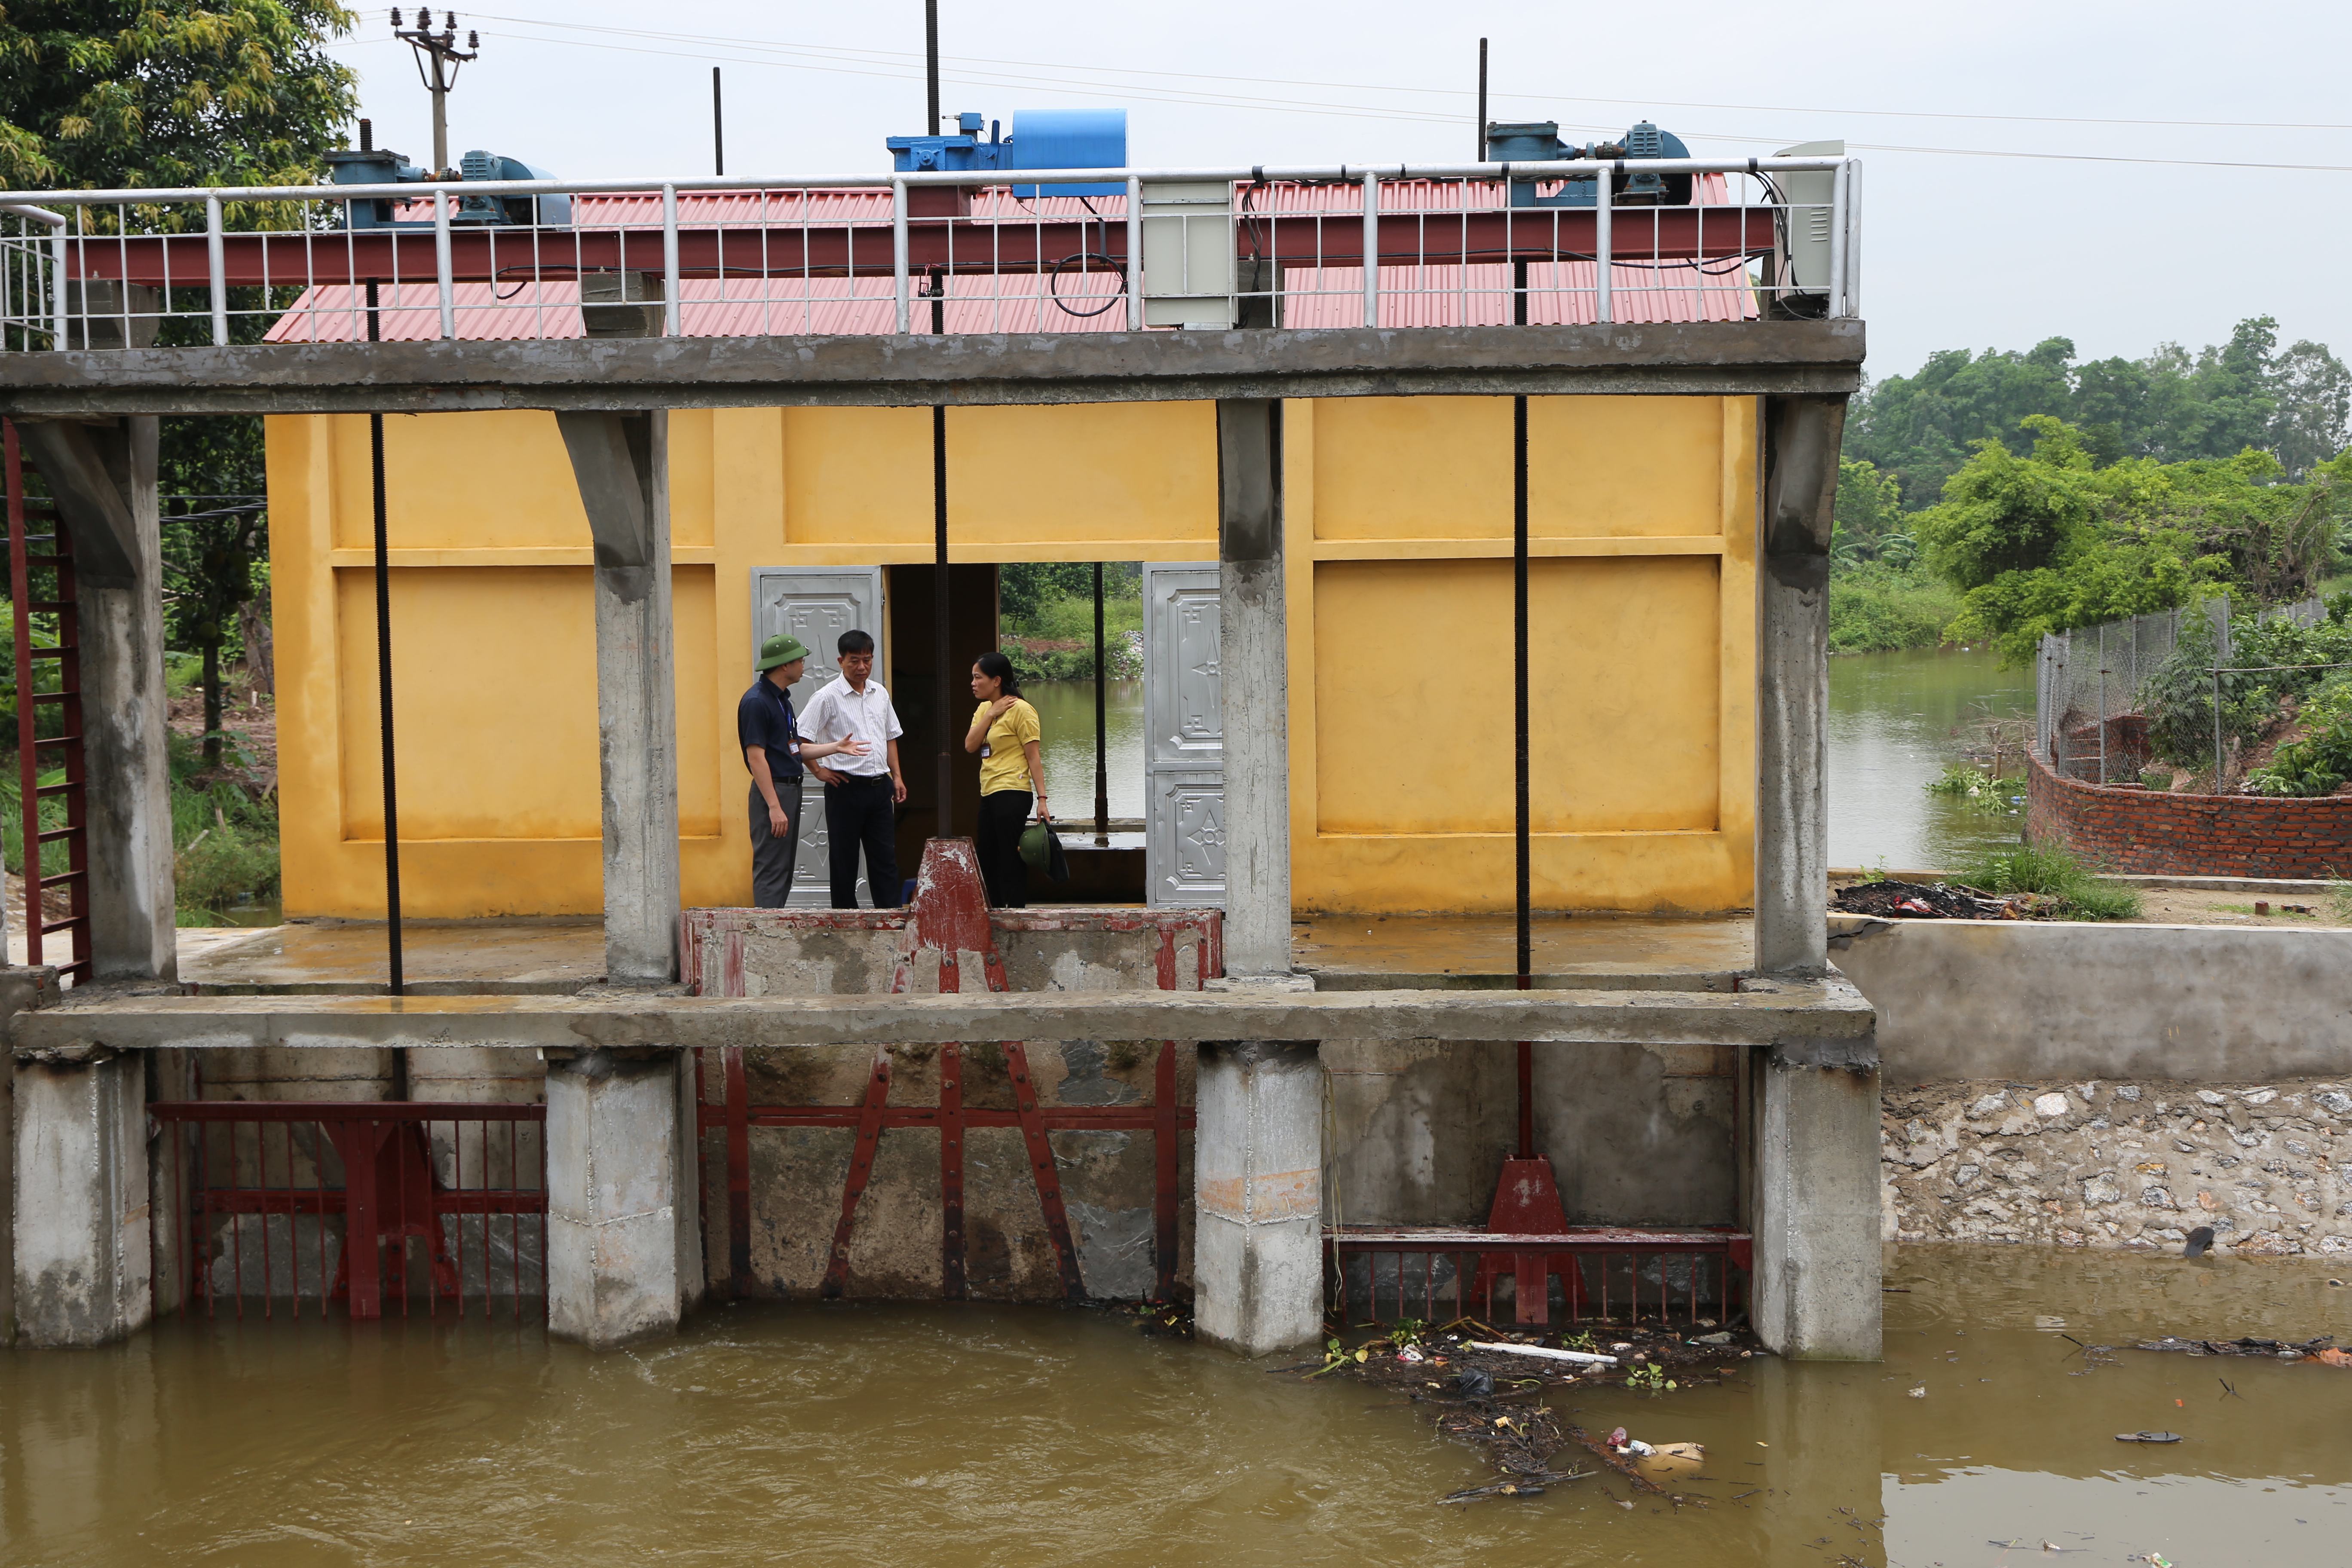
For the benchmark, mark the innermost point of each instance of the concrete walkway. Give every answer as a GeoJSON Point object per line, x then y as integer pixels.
{"type": "Point", "coordinates": [553, 957]}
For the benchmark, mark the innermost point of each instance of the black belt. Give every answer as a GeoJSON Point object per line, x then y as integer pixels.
{"type": "Point", "coordinates": [865, 778]}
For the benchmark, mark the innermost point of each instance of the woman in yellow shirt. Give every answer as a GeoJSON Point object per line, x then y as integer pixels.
{"type": "Point", "coordinates": [1004, 731]}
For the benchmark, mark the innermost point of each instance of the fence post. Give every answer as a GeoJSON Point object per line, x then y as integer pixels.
{"type": "Point", "coordinates": [2103, 702]}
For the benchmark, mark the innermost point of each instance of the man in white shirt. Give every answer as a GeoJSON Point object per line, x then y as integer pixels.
{"type": "Point", "coordinates": [862, 792]}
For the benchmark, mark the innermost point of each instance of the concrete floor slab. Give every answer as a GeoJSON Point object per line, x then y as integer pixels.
{"type": "Point", "coordinates": [518, 958]}
{"type": "Point", "coordinates": [1480, 951]}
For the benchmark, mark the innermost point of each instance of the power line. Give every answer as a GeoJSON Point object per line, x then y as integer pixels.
{"type": "Point", "coordinates": [878, 56]}
{"type": "Point", "coordinates": [1357, 111]}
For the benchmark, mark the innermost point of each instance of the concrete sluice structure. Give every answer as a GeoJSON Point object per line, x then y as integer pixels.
{"type": "Point", "coordinates": [1642, 489]}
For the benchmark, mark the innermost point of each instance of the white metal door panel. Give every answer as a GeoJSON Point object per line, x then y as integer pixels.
{"type": "Point", "coordinates": [1184, 746]}
{"type": "Point", "coordinates": [816, 604]}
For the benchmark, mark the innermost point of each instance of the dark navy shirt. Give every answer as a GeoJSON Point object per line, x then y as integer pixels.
{"type": "Point", "coordinates": [764, 718]}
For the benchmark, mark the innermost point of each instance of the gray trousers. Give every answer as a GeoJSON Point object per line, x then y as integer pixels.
{"type": "Point", "coordinates": [772, 858]}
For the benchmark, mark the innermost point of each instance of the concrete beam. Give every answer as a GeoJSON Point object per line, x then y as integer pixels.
{"type": "Point", "coordinates": [1674, 359]}
{"type": "Point", "coordinates": [1813, 1198]}
{"type": "Point", "coordinates": [1257, 1161]}
{"type": "Point", "coordinates": [621, 462]}
{"type": "Point", "coordinates": [104, 477]}
{"type": "Point", "coordinates": [1824, 1010]}
{"type": "Point", "coordinates": [623, 1249]}
{"type": "Point", "coordinates": [1254, 683]}
{"type": "Point", "coordinates": [80, 1215]}
{"type": "Point", "coordinates": [82, 464]}
{"type": "Point", "coordinates": [1801, 437]}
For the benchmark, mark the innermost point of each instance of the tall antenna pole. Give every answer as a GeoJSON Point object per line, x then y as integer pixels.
{"type": "Point", "coordinates": [1481, 101]}
{"type": "Point", "coordinates": [931, 59]}
{"type": "Point", "coordinates": [437, 59]}
{"type": "Point", "coordinates": [717, 128]}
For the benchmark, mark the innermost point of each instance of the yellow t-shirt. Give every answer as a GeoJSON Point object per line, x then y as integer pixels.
{"type": "Point", "coordinates": [1003, 764]}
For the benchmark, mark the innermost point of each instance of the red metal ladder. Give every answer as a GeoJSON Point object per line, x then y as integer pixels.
{"type": "Point", "coordinates": [66, 747]}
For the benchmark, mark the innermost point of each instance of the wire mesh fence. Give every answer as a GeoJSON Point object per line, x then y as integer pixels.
{"type": "Point", "coordinates": [2091, 684]}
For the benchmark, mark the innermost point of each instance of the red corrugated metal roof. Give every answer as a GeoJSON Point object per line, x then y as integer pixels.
{"type": "Point", "coordinates": [1410, 296]}
{"type": "Point", "coordinates": [1559, 294]}
{"type": "Point", "coordinates": [708, 308]}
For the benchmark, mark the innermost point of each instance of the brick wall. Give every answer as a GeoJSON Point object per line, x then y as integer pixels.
{"type": "Point", "coordinates": [2161, 833]}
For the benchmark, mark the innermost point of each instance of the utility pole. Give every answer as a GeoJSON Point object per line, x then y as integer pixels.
{"type": "Point", "coordinates": [718, 127]}
{"type": "Point", "coordinates": [437, 59]}
{"type": "Point", "coordinates": [931, 59]}
{"type": "Point", "coordinates": [1481, 101]}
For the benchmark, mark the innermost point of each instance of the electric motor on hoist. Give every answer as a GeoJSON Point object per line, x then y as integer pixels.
{"type": "Point", "coordinates": [1538, 141]}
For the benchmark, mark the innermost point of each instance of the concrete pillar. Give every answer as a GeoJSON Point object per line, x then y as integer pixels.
{"type": "Point", "coordinates": [623, 1244]}
{"type": "Point", "coordinates": [20, 989]}
{"type": "Point", "coordinates": [81, 1211]}
{"type": "Point", "coordinates": [103, 477]}
{"type": "Point", "coordinates": [1257, 1161]}
{"type": "Point", "coordinates": [622, 463]}
{"type": "Point", "coordinates": [1801, 437]}
{"type": "Point", "coordinates": [1813, 1200]}
{"type": "Point", "coordinates": [1254, 670]}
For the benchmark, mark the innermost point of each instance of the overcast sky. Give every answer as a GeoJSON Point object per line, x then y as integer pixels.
{"type": "Point", "coordinates": [1963, 248]}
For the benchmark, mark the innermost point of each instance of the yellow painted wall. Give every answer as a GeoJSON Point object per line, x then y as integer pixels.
{"type": "Point", "coordinates": [1642, 515]}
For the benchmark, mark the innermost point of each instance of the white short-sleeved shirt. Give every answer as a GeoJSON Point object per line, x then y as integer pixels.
{"type": "Point", "coordinates": [836, 714]}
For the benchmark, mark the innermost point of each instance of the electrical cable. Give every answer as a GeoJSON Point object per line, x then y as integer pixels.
{"type": "Point", "coordinates": [880, 55]}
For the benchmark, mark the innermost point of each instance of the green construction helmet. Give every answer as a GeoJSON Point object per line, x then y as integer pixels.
{"type": "Point", "coordinates": [781, 648]}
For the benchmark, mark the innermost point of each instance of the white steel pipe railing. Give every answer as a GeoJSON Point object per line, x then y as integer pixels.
{"type": "Point", "coordinates": [441, 262]}
{"type": "Point", "coordinates": [1604, 250]}
{"type": "Point", "coordinates": [217, 260]}
{"type": "Point", "coordinates": [900, 304]}
{"type": "Point", "coordinates": [672, 310]}
{"type": "Point", "coordinates": [1837, 243]}
{"type": "Point", "coordinates": [1134, 254]}
{"type": "Point", "coordinates": [1423, 213]}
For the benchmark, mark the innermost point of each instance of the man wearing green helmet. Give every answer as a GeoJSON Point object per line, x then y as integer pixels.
{"type": "Point", "coordinates": [773, 750]}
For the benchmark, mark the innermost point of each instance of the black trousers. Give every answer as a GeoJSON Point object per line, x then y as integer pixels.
{"type": "Point", "coordinates": [772, 858]}
{"type": "Point", "coordinates": [859, 813]}
{"type": "Point", "coordinates": [1003, 816]}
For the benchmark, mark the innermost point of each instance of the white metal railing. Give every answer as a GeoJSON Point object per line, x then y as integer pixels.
{"type": "Point", "coordinates": [1396, 246]}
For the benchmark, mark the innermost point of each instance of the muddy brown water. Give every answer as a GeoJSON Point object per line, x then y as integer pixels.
{"type": "Point", "coordinates": [989, 1436]}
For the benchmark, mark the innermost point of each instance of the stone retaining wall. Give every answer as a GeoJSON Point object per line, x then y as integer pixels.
{"type": "Point", "coordinates": [2158, 832]}
{"type": "Point", "coordinates": [2130, 1165]}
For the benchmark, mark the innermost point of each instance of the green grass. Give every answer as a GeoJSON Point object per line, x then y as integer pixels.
{"type": "Point", "coordinates": [1876, 608]}
{"type": "Point", "coordinates": [2052, 871]}
{"type": "Point", "coordinates": [225, 839]}
{"type": "Point", "coordinates": [1969, 787]}
{"type": "Point", "coordinates": [2339, 902]}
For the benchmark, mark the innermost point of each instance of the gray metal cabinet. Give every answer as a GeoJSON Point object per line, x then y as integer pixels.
{"type": "Point", "coordinates": [1185, 736]}
{"type": "Point", "coordinates": [816, 604]}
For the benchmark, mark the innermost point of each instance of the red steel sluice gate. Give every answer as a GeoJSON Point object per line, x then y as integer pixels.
{"type": "Point", "coordinates": [262, 1201]}
{"type": "Point", "coordinates": [940, 933]}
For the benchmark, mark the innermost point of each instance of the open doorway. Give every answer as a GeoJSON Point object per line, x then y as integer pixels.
{"type": "Point", "coordinates": [1046, 626]}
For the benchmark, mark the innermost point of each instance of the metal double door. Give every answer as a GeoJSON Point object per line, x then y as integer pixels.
{"type": "Point", "coordinates": [1185, 736]}
{"type": "Point", "coordinates": [816, 604]}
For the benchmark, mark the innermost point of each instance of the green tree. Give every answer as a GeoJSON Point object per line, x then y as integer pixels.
{"type": "Point", "coordinates": [105, 94]}
{"type": "Point", "coordinates": [2173, 405]}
